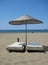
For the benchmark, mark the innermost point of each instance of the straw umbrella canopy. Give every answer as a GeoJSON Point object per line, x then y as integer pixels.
{"type": "Point", "coordinates": [25, 20]}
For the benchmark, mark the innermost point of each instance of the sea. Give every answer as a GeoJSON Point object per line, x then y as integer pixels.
{"type": "Point", "coordinates": [22, 31]}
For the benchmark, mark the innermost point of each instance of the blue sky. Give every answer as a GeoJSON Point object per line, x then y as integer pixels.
{"type": "Point", "coordinates": [12, 9]}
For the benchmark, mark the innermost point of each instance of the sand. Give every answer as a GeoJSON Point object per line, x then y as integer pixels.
{"type": "Point", "coordinates": [18, 58]}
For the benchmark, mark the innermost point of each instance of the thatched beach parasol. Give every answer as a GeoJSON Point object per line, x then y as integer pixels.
{"type": "Point", "coordinates": [25, 20]}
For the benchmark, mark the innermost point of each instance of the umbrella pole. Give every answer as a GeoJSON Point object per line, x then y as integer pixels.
{"type": "Point", "coordinates": [26, 34]}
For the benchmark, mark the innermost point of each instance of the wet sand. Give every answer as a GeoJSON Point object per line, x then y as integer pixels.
{"type": "Point", "coordinates": [18, 58]}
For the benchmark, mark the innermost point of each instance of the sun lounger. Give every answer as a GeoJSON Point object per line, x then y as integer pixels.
{"type": "Point", "coordinates": [17, 46]}
{"type": "Point", "coordinates": [34, 47]}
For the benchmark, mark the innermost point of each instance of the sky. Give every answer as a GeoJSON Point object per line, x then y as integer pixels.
{"type": "Point", "coordinates": [13, 9]}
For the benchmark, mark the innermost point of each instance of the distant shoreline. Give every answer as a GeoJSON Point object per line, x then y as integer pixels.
{"type": "Point", "coordinates": [22, 31]}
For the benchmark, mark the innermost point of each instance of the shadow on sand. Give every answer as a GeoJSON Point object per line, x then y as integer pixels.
{"type": "Point", "coordinates": [17, 51]}
{"type": "Point", "coordinates": [46, 48]}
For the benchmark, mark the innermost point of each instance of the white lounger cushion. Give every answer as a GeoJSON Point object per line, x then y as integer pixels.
{"type": "Point", "coordinates": [35, 46]}
{"type": "Point", "coordinates": [16, 46]}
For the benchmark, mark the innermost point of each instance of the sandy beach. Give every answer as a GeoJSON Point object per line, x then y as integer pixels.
{"type": "Point", "coordinates": [18, 58]}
